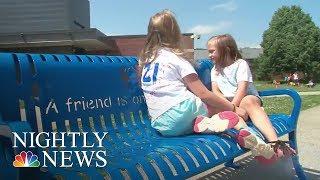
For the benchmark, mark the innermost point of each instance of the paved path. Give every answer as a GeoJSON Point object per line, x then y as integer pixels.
{"type": "Point", "coordinates": [310, 93]}
{"type": "Point", "coordinates": [309, 153]}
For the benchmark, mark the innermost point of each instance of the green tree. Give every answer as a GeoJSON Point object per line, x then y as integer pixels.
{"type": "Point", "coordinates": [291, 43]}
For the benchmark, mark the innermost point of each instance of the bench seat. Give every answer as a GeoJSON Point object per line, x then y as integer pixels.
{"type": "Point", "coordinates": [156, 157]}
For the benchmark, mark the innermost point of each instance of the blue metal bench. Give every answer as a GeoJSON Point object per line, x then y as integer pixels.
{"type": "Point", "coordinates": [78, 93]}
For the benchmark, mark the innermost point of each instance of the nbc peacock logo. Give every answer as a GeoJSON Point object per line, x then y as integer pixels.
{"type": "Point", "coordinates": [26, 159]}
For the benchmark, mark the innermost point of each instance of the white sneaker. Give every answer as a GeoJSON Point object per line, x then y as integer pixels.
{"type": "Point", "coordinates": [217, 123]}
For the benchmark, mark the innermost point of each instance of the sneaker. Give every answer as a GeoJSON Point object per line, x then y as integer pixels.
{"type": "Point", "coordinates": [283, 148]}
{"type": "Point", "coordinates": [263, 152]}
{"type": "Point", "coordinates": [217, 123]}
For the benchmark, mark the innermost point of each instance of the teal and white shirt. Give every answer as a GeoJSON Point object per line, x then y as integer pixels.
{"type": "Point", "coordinates": [230, 77]}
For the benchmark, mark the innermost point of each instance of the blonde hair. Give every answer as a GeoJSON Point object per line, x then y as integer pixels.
{"type": "Point", "coordinates": [163, 31]}
{"type": "Point", "coordinates": [226, 47]}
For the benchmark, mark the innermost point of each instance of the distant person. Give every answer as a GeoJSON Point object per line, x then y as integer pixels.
{"type": "Point", "coordinates": [295, 77]}
{"type": "Point", "coordinates": [276, 83]}
{"type": "Point", "coordinates": [310, 84]}
{"type": "Point", "coordinates": [232, 79]}
{"type": "Point", "coordinates": [287, 78]}
{"type": "Point", "coordinates": [290, 82]}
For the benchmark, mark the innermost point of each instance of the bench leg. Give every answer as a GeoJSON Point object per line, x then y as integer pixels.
{"type": "Point", "coordinates": [232, 164]}
{"type": "Point", "coordinates": [295, 159]}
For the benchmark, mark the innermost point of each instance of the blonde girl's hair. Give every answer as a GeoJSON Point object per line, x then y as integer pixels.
{"type": "Point", "coordinates": [163, 31]}
{"type": "Point", "coordinates": [226, 47]}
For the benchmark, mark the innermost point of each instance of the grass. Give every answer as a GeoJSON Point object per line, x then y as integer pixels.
{"type": "Point", "coordinates": [275, 105]}
{"type": "Point", "coordinates": [284, 105]}
{"type": "Point", "coordinates": [262, 85]}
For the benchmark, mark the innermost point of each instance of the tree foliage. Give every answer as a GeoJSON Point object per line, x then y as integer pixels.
{"type": "Point", "coordinates": [291, 43]}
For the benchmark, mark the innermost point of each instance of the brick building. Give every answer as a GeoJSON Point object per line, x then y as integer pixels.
{"type": "Point", "coordinates": [131, 45]}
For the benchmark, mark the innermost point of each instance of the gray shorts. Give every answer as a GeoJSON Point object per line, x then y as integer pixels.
{"type": "Point", "coordinates": [259, 97]}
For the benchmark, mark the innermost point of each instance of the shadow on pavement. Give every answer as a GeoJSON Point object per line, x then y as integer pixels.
{"type": "Point", "coordinates": [250, 169]}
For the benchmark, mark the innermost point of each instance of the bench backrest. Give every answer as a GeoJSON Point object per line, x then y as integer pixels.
{"type": "Point", "coordinates": [71, 92]}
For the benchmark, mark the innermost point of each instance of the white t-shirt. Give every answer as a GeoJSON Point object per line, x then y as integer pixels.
{"type": "Point", "coordinates": [230, 77]}
{"type": "Point", "coordinates": [162, 82]}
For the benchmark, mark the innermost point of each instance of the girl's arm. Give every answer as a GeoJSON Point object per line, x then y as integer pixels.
{"type": "Point", "coordinates": [243, 77]}
{"type": "Point", "coordinates": [241, 92]}
{"type": "Point", "coordinates": [196, 87]}
{"type": "Point", "coordinates": [216, 90]}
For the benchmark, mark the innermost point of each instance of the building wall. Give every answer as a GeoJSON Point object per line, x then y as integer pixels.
{"type": "Point", "coordinates": [131, 45]}
{"type": "Point", "coordinates": [201, 54]}
{"type": "Point", "coordinates": [79, 13]}
{"type": "Point", "coordinates": [18, 16]}
{"type": "Point", "coordinates": [128, 46]}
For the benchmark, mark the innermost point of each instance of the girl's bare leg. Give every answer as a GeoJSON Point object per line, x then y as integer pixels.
{"type": "Point", "coordinates": [247, 139]}
{"type": "Point", "coordinates": [258, 116]}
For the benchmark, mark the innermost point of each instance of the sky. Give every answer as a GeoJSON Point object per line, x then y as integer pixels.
{"type": "Point", "coordinates": [245, 20]}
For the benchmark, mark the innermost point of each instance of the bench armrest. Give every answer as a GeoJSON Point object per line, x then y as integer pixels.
{"type": "Point", "coordinates": [293, 94]}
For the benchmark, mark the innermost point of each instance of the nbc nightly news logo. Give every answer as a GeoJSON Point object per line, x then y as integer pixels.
{"type": "Point", "coordinates": [60, 149]}
{"type": "Point", "coordinates": [26, 160]}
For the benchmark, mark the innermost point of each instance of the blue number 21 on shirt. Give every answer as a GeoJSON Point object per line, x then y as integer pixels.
{"type": "Point", "coordinates": [151, 70]}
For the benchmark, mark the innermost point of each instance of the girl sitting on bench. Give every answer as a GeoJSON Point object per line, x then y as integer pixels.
{"type": "Point", "coordinates": [232, 80]}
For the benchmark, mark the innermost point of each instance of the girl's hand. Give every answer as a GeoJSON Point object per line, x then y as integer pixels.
{"type": "Point", "coordinates": [241, 92]}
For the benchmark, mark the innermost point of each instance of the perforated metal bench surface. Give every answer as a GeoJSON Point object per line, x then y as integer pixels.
{"type": "Point", "coordinates": [77, 93]}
